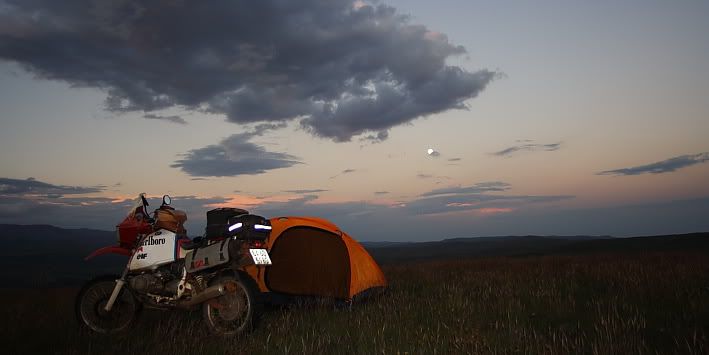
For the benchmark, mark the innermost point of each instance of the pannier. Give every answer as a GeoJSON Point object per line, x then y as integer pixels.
{"type": "Point", "coordinates": [218, 220]}
{"type": "Point", "coordinates": [171, 219]}
{"type": "Point", "coordinates": [250, 227]}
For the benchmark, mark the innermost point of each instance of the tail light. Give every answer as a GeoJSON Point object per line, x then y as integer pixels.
{"type": "Point", "coordinates": [257, 244]}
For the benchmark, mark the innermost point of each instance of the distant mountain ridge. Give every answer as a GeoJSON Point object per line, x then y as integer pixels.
{"type": "Point", "coordinates": [534, 245]}
{"type": "Point", "coordinates": [49, 256]}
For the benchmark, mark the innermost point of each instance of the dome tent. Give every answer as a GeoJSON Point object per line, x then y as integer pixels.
{"type": "Point", "coordinates": [312, 257]}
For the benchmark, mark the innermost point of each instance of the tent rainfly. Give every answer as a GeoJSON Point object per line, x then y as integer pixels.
{"type": "Point", "coordinates": [312, 257]}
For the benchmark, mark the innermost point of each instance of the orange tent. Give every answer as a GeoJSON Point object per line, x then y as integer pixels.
{"type": "Point", "coordinates": [312, 257]}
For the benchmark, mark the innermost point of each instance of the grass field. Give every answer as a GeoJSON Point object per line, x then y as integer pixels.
{"type": "Point", "coordinates": [631, 303]}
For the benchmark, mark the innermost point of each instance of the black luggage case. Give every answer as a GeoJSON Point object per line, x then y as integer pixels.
{"type": "Point", "coordinates": [252, 227]}
{"type": "Point", "coordinates": [218, 220]}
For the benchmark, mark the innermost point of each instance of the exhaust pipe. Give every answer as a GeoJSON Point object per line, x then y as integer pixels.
{"type": "Point", "coordinates": [209, 293]}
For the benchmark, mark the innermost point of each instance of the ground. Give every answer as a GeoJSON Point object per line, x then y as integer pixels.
{"type": "Point", "coordinates": [602, 303]}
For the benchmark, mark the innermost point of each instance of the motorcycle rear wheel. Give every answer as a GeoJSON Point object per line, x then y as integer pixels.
{"type": "Point", "coordinates": [92, 299]}
{"type": "Point", "coordinates": [232, 313]}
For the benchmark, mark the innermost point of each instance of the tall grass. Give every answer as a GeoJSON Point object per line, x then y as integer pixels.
{"type": "Point", "coordinates": [592, 304]}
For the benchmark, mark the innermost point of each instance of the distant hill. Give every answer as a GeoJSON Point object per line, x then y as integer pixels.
{"type": "Point", "coordinates": [370, 245]}
{"type": "Point", "coordinates": [48, 256]}
{"type": "Point", "coordinates": [43, 255]}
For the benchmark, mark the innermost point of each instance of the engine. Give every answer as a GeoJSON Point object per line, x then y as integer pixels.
{"type": "Point", "coordinates": [161, 282]}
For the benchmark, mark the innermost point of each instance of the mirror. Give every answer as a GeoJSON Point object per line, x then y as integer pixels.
{"type": "Point", "coordinates": [166, 200]}
{"type": "Point", "coordinates": [144, 200]}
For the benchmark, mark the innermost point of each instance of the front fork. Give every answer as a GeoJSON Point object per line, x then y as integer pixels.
{"type": "Point", "coordinates": [122, 281]}
{"type": "Point", "coordinates": [117, 289]}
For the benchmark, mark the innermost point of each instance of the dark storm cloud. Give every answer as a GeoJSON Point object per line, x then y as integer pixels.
{"type": "Point", "coordinates": [660, 167]}
{"type": "Point", "coordinates": [474, 189]}
{"type": "Point", "coordinates": [173, 119]}
{"type": "Point", "coordinates": [340, 68]}
{"type": "Point", "coordinates": [304, 191]}
{"type": "Point", "coordinates": [528, 147]}
{"type": "Point", "coordinates": [233, 156]}
{"type": "Point", "coordinates": [34, 187]}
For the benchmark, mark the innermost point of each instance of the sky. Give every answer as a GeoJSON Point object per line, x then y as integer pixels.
{"type": "Point", "coordinates": [545, 117]}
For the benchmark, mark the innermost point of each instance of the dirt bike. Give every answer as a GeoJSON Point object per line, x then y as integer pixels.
{"type": "Point", "coordinates": [168, 271]}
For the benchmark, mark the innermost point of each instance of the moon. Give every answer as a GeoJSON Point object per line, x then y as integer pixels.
{"type": "Point", "coordinates": [433, 153]}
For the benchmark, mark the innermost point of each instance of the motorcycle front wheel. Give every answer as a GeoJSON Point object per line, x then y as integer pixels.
{"type": "Point", "coordinates": [232, 313]}
{"type": "Point", "coordinates": [92, 299]}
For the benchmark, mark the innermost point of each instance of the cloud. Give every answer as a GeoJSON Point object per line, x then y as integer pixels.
{"type": "Point", "coordinates": [233, 156]}
{"type": "Point", "coordinates": [173, 119]}
{"type": "Point", "coordinates": [668, 217]}
{"type": "Point", "coordinates": [454, 159]}
{"type": "Point", "coordinates": [342, 68]}
{"type": "Point", "coordinates": [343, 172]}
{"type": "Point", "coordinates": [665, 166]}
{"type": "Point", "coordinates": [476, 197]}
{"type": "Point", "coordinates": [31, 186]}
{"type": "Point", "coordinates": [531, 147]}
{"type": "Point", "coordinates": [378, 138]}
{"type": "Point", "coordinates": [481, 198]}
{"type": "Point", "coordinates": [261, 129]}
{"type": "Point", "coordinates": [304, 191]}
{"type": "Point", "coordinates": [368, 221]}
{"type": "Point", "coordinates": [490, 186]}
{"type": "Point", "coordinates": [94, 212]}
{"type": "Point", "coordinates": [381, 192]}
{"type": "Point", "coordinates": [431, 176]}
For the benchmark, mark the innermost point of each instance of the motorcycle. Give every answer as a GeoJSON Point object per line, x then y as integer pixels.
{"type": "Point", "coordinates": [168, 271]}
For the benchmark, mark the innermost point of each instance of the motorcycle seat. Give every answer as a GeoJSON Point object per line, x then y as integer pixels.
{"type": "Point", "coordinates": [194, 243]}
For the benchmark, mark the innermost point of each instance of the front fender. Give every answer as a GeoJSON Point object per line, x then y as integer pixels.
{"type": "Point", "coordinates": [109, 250]}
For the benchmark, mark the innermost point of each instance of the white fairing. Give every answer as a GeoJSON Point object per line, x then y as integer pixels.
{"type": "Point", "coordinates": [158, 248]}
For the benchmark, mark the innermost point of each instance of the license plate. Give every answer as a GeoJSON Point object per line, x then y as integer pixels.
{"type": "Point", "coordinates": [260, 256]}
